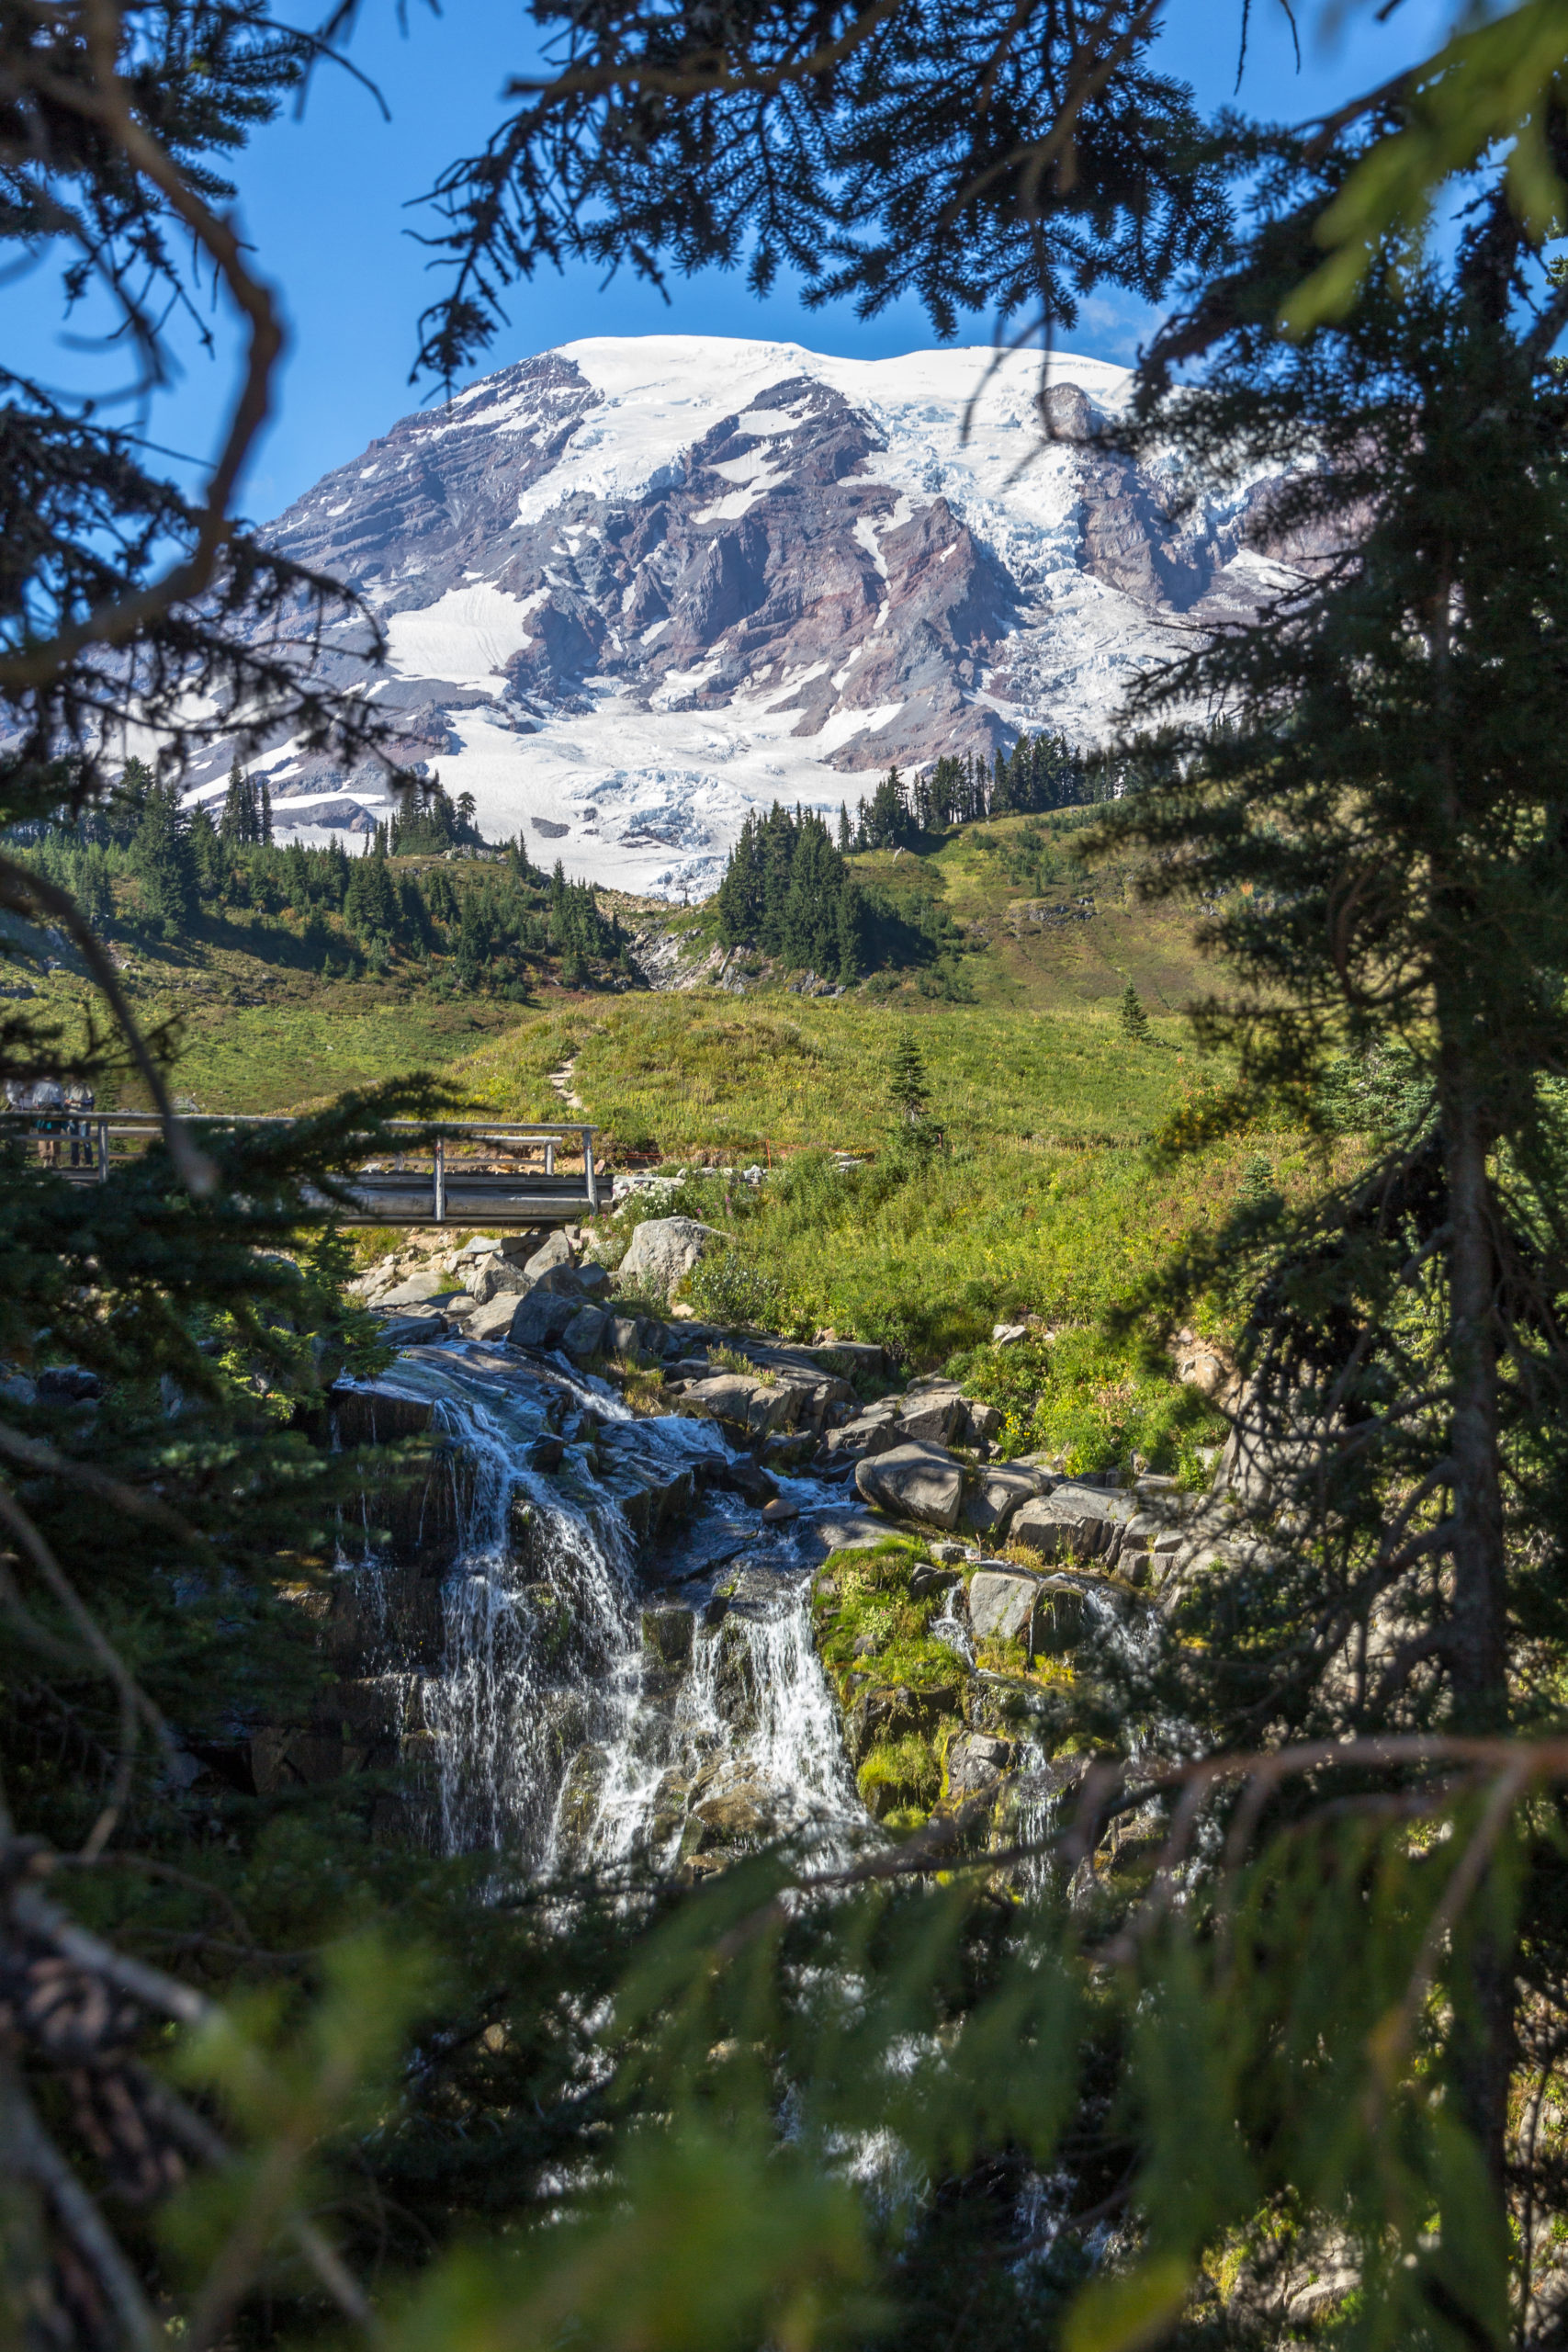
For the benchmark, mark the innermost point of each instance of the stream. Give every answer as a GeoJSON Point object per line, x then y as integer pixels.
{"type": "Point", "coordinates": [602, 1698]}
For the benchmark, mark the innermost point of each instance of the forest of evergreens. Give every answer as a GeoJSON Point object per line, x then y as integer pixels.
{"type": "Point", "coordinates": [487, 927]}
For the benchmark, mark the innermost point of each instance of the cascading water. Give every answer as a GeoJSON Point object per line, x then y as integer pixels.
{"type": "Point", "coordinates": [561, 1732]}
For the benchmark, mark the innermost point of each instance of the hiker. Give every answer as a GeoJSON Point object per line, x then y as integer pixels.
{"type": "Point", "coordinates": [79, 1101]}
{"type": "Point", "coordinates": [46, 1102]}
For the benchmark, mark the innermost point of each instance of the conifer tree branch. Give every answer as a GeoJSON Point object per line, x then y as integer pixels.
{"type": "Point", "coordinates": [107, 101]}
{"type": "Point", "coordinates": [28, 893]}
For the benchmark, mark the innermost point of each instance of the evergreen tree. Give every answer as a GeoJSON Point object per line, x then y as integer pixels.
{"type": "Point", "coordinates": [846, 836]}
{"type": "Point", "coordinates": [1135, 1019]}
{"type": "Point", "coordinates": [164, 862]}
{"type": "Point", "coordinates": [909, 1088]}
{"type": "Point", "coordinates": [1383, 822]}
{"type": "Point", "coordinates": [239, 825]}
{"type": "Point", "coordinates": [209, 858]}
{"type": "Point", "coordinates": [264, 814]}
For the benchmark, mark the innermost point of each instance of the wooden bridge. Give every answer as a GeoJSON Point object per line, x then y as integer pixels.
{"type": "Point", "coordinates": [497, 1173]}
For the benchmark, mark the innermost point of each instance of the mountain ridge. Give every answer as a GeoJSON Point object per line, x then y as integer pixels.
{"type": "Point", "coordinates": [636, 587]}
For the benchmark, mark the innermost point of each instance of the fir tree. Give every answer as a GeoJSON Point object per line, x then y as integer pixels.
{"type": "Point", "coordinates": [164, 862]}
{"type": "Point", "coordinates": [909, 1088]}
{"type": "Point", "coordinates": [1135, 1019]}
{"type": "Point", "coordinates": [1383, 821]}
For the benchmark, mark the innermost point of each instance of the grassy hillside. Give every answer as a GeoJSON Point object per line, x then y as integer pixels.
{"type": "Point", "coordinates": [1043, 1201]}
{"type": "Point", "coordinates": [1038, 945]}
{"type": "Point", "coordinates": [1040, 927]}
{"type": "Point", "coordinates": [245, 1033]}
{"type": "Point", "coordinates": [707, 1076]}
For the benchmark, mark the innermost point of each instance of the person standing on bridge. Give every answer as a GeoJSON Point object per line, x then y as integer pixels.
{"type": "Point", "coordinates": [46, 1102]}
{"type": "Point", "coordinates": [79, 1102]}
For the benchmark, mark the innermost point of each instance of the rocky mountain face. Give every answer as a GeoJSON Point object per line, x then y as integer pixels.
{"type": "Point", "coordinates": [632, 589]}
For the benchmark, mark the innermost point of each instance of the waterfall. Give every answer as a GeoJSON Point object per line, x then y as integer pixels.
{"type": "Point", "coordinates": [556, 1734]}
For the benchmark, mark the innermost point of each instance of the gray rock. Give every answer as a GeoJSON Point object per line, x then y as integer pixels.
{"type": "Point", "coordinates": [620, 1336]}
{"type": "Point", "coordinates": [1000, 1493]}
{"type": "Point", "coordinates": [556, 1251]}
{"type": "Point", "coordinates": [584, 1333]}
{"type": "Point", "coordinates": [1002, 1602]}
{"type": "Point", "coordinates": [418, 1290]}
{"type": "Point", "coordinates": [975, 1763]}
{"type": "Point", "coordinates": [861, 1355]}
{"type": "Point", "coordinates": [492, 1277]}
{"type": "Point", "coordinates": [1075, 1521]}
{"type": "Point", "coordinates": [663, 1249]}
{"type": "Point", "coordinates": [539, 1318]}
{"type": "Point", "coordinates": [16, 1388]}
{"type": "Point", "coordinates": [413, 1330]}
{"type": "Point", "coordinates": [933, 1420]}
{"type": "Point", "coordinates": [920, 1482]}
{"type": "Point", "coordinates": [1007, 1335]}
{"type": "Point", "coordinates": [492, 1321]}
{"type": "Point", "coordinates": [1060, 1617]}
{"type": "Point", "coordinates": [849, 1531]}
{"type": "Point", "coordinates": [746, 1404]}
{"type": "Point", "coordinates": [984, 1420]}
{"type": "Point", "coordinates": [859, 1440]}
{"type": "Point", "coordinates": [593, 1279]}
{"type": "Point", "coordinates": [1046, 1613]}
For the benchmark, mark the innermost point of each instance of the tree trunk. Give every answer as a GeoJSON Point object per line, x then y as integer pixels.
{"type": "Point", "coordinates": [1484, 2028]}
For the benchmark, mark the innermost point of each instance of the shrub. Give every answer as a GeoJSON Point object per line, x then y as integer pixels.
{"type": "Point", "coordinates": [724, 1288]}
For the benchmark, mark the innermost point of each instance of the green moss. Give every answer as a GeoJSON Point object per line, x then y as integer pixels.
{"type": "Point", "coordinates": [901, 1775]}
{"type": "Point", "coordinates": [872, 1603]}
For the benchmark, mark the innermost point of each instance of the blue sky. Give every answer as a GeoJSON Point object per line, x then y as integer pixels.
{"type": "Point", "coordinates": [324, 202]}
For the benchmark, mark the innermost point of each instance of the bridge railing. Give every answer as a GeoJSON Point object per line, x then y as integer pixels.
{"type": "Point", "coordinates": [489, 1172]}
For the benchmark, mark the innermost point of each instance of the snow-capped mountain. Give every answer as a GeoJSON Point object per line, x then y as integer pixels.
{"type": "Point", "coordinates": [633, 587]}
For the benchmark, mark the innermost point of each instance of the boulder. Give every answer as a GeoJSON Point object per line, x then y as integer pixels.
{"type": "Point", "coordinates": [976, 1761]}
{"type": "Point", "coordinates": [584, 1333]}
{"type": "Point", "coordinates": [745, 1404]}
{"type": "Point", "coordinates": [984, 1420]}
{"type": "Point", "coordinates": [921, 1482]}
{"type": "Point", "coordinates": [413, 1330]}
{"type": "Point", "coordinates": [1002, 1602]}
{"type": "Point", "coordinates": [540, 1320]}
{"type": "Point", "coordinates": [1007, 1335]}
{"type": "Point", "coordinates": [852, 1355]}
{"type": "Point", "coordinates": [742, 1476]}
{"type": "Point", "coordinates": [556, 1251]}
{"type": "Point", "coordinates": [663, 1250]}
{"type": "Point", "coordinates": [1046, 1613]}
{"type": "Point", "coordinates": [518, 1245]}
{"type": "Point", "coordinates": [620, 1336]}
{"type": "Point", "coordinates": [1000, 1493]}
{"type": "Point", "coordinates": [488, 1278]}
{"type": "Point", "coordinates": [927, 1583]}
{"type": "Point", "coordinates": [593, 1279]}
{"type": "Point", "coordinates": [935, 1419]}
{"type": "Point", "coordinates": [1075, 1521]}
{"type": "Point", "coordinates": [418, 1290]}
{"type": "Point", "coordinates": [490, 1323]}
{"type": "Point", "coordinates": [858, 1438]}
{"type": "Point", "coordinates": [560, 1282]}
